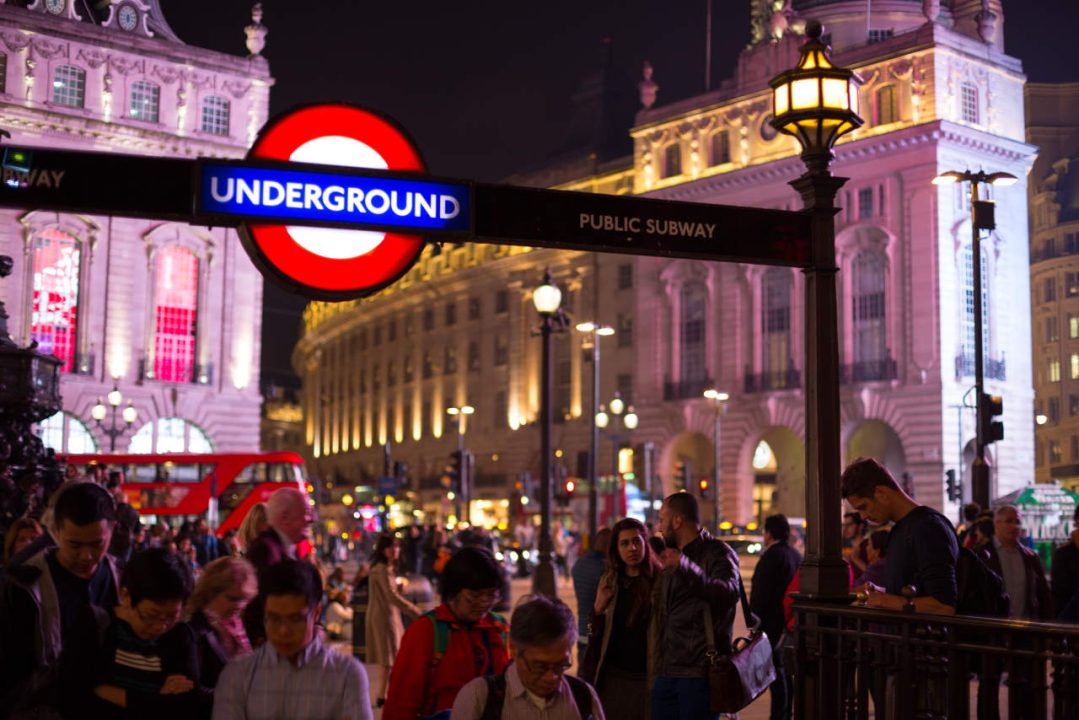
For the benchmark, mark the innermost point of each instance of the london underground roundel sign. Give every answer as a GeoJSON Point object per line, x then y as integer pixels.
{"type": "Point", "coordinates": [330, 263]}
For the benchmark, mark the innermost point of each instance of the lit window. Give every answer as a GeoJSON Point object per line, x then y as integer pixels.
{"type": "Point", "coordinates": [69, 86]}
{"type": "Point", "coordinates": [55, 301]}
{"type": "Point", "coordinates": [776, 323]}
{"type": "Point", "coordinates": [1054, 451]}
{"type": "Point", "coordinates": [868, 307]}
{"type": "Point", "coordinates": [1052, 329]}
{"type": "Point", "coordinates": [886, 109]}
{"type": "Point", "coordinates": [215, 115]}
{"type": "Point", "coordinates": [1073, 326]}
{"type": "Point", "coordinates": [1054, 371]}
{"type": "Point", "coordinates": [1074, 366]}
{"type": "Point", "coordinates": [65, 433]}
{"type": "Point", "coordinates": [968, 305]}
{"type": "Point", "coordinates": [865, 203]}
{"type": "Point", "coordinates": [672, 160]}
{"type": "Point", "coordinates": [176, 287]}
{"type": "Point", "coordinates": [968, 99]}
{"type": "Point", "coordinates": [145, 101]}
{"type": "Point", "coordinates": [170, 435]}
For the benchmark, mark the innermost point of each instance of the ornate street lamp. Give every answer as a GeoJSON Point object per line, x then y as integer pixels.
{"type": "Point", "coordinates": [817, 103]}
{"type": "Point", "coordinates": [99, 412]}
{"type": "Point", "coordinates": [29, 393]}
{"type": "Point", "coordinates": [981, 218]}
{"type": "Point", "coordinates": [547, 298]}
{"type": "Point", "coordinates": [622, 416]}
{"type": "Point", "coordinates": [596, 331]}
{"type": "Point", "coordinates": [719, 399]}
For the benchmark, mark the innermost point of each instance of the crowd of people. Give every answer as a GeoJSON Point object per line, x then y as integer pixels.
{"type": "Point", "coordinates": [100, 617]}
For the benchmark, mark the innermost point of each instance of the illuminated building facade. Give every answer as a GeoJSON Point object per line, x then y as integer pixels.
{"type": "Point", "coordinates": [938, 94]}
{"type": "Point", "coordinates": [168, 313]}
{"type": "Point", "coordinates": [1054, 279]}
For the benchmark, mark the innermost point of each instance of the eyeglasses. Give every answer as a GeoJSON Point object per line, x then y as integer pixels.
{"type": "Point", "coordinates": [542, 668]}
{"type": "Point", "coordinates": [154, 620]}
{"type": "Point", "coordinates": [485, 597]}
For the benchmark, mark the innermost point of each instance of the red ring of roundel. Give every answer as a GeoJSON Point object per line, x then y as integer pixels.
{"type": "Point", "coordinates": [356, 276]}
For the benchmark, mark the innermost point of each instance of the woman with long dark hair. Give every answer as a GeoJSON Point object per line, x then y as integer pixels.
{"type": "Point", "coordinates": [616, 661]}
{"type": "Point", "coordinates": [382, 626]}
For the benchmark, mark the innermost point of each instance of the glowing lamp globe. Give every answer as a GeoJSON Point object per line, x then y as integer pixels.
{"type": "Point", "coordinates": [816, 102]}
{"type": "Point", "coordinates": [547, 297]}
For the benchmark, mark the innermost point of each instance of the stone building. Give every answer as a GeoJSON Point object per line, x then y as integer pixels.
{"type": "Point", "coordinates": [939, 94]}
{"type": "Point", "coordinates": [167, 313]}
{"type": "Point", "coordinates": [1053, 125]}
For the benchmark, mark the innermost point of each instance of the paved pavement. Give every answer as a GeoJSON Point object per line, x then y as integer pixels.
{"type": "Point", "coordinates": [759, 710]}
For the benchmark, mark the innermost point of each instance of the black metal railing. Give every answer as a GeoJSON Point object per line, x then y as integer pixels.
{"type": "Point", "coordinates": [853, 662]}
{"type": "Point", "coordinates": [789, 379]}
{"type": "Point", "coordinates": [994, 369]}
{"type": "Point", "coordinates": [686, 389]}
{"type": "Point", "coordinates": [868, 371]}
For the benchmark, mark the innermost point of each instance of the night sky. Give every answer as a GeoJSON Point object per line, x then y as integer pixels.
{"type": "Point", "coordinates": [486, 87]}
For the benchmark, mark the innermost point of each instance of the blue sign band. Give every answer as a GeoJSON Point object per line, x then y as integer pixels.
{"type": "Point", "coordinates": [332, 198]}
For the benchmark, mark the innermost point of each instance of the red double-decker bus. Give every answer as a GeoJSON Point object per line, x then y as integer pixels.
{"type": "Point", "coordinates": [221, 487]}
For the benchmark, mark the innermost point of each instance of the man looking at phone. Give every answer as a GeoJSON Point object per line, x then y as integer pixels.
{"type": "Point", "coordinates": [700, 575]}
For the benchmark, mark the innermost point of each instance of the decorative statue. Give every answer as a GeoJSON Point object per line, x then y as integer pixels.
{"type": "Point", "coordinates": [931, 10]}
{"type": "Point", "coordinates": [987, 23]}
{"type": "Point", "coordinates": [648, 87]}
{"type": "Point", "coordinates": [256, 32]}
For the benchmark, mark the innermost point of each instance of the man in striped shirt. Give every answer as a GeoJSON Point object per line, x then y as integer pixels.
{"type": "Point", "coordinates": [293, 675]}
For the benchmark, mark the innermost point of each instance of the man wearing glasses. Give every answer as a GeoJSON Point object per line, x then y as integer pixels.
{"type": "Point", "coordinates": [293, 675]}
{"type": "Point", "coordinates": [543, 632]}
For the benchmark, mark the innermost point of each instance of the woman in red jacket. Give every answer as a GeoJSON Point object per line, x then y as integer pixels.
{"type": "Point", "coordinates": [459, 640]}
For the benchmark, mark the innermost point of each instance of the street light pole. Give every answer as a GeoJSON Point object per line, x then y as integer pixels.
{"type": "Point", "coordinates": [547, 299]}
{"type": "Point", "coordinates": [597, 331]}
{"type": "Point", "coordinates": [464, 480]}
{"type": "Point", "coordinates": [719, 399]}
{"type": "Point", "coordinates": [99, 412]}
{"type": "Point", "coordinates": [979, 471]}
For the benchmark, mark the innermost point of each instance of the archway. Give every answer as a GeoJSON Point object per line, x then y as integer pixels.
{"type": "Point", "coordinates": [877, 439]}
{"type": "Point", "coordinates": [776, 465]}
{"type": "Point", "coordinates": [170, 435]}
{"type": "Point", "coordinates": [693, 455]}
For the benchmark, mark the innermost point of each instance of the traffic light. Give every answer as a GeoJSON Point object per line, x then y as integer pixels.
{"type": "Point", "coordinates": [954, 491]}
{"type": "Point", "coordinates": [451, 479]}
{"type": "Point", "coordinates": [681, 475]}
{"type": "Point", "coordinates": [703, 485]}
{"type": "Point", "coordinates": [568, 488]}
{"type": "Point", "coordinates": [990, 408]}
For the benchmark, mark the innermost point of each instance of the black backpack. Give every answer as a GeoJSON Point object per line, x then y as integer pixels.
{"type": "Point", "coordinates": [981, 590]}
{"type": "Point", "coordinates": [496, 696]}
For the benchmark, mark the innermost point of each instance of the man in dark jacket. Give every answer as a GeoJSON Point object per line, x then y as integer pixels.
{"type": "Point", "coordinates": [774, 573]}
{"type": "Point", "coordinates": [587, 572]}
{"type": "Point", "coordinates": [700, 575]}
{"type": "Point", "coordinates": [1066, 569]}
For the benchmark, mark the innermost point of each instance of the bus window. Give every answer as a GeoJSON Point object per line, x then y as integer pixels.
{"type": "Point", "coordinates": [282, 472]}
{"type": "Point", "coordinates": [173, 472]}
{"type": "Point", "coordinates": [140, 473]}
{"type": "Point", "coordinates": [253, 473]}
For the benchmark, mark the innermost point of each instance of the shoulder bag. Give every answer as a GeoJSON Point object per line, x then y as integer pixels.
{"type": "Point", "coordinates": [736, 680]}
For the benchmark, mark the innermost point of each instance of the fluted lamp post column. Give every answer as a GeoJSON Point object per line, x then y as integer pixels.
{"type": "Point", "coordinates": [719, 399]}
{"type": "Point", "coordinates": [547, 298]}
{"type": "Point", "coordinates": [100, 411]}
{"type": "Point", "coordinates": [817, 103]}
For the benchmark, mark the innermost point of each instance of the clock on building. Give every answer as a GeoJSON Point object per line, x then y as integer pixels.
{"type": "Point", "coordinates": [56, 7]}
{"type": "Point", "coordinates": [128, 17]}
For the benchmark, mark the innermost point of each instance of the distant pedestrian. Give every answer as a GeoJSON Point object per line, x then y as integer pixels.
{"type": "Point", "coordinates": [587, 572]}
{"type": "Point", "coordinates": [207, 546]}
{"type": "Point", "coordinates": [774, 572]}
{"type": "Point", "coordinates": [854, 532]}
{"type": "Point", "coordinates": [922, 549]}
{"type": "Point", "coordinates": [1066, 567]}
{"type": "Point", "coordinates": [21, 533]}
{"type": "Point", "coordinates": [971, 511]}
{"type": "Point", "coordinates": [877, 570]}
{"type": "Point", "coordinates": [385, 603]}
{"type": "Point", "coordinates": [254, 524]}
{"type": "Point", "coordinates": [535, 685]}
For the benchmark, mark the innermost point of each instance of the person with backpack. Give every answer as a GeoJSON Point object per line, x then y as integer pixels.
{"type": "Point", "coordinates": [543, 632]}
{"type": "Point", "coordinates": [458, 641]}
{"type": "Point", "coordinates": [922, 549]}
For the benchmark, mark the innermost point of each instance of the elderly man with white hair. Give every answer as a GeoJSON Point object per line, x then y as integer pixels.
{"type": "Point", "coordinates": [289, 515]}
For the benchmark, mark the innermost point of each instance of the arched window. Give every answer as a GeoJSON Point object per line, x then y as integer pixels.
{"type": "Point", "coordinates": [776, 325]}
{"type": "Point", "coordinates": [868, 310]}
{"type": "Point", "coordinates": [886, 105]}
{"type": "Point", "coordinates": [69, 86]}
{"type": "Point", "coordinates": [170, 435]}
{"type": "Point", "coordinates": [145, 101]}
{"type": "Point", "coordinates": [215, 115]}
{"type": "Point", "coordinates": [694, 304]}
{"type": "Point", "coordinates": [65, 433]}
{"type": "Point", "coordinates": [176, 293]}
{"type": "Point", "coordinates": [969, 335]}
{"type": "Point", "coordinates": [54, 305]}
{"type": "Point", "coordinates": [721, 148]}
